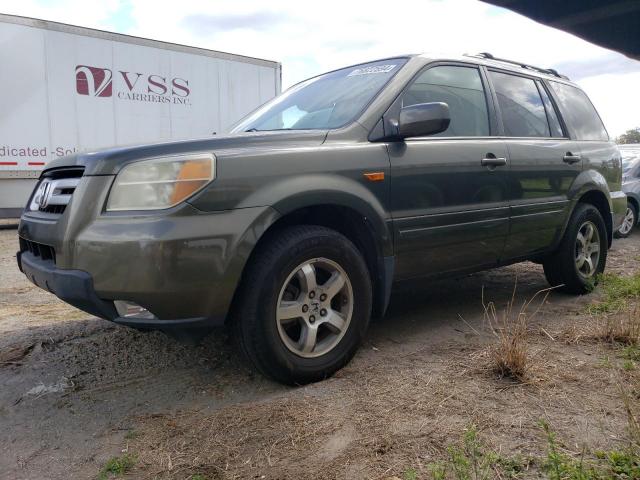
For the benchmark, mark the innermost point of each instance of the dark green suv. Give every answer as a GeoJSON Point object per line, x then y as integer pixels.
{"type": "Point", "coordinates": [293, 228]}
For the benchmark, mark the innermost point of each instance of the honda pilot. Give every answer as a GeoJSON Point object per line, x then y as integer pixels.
{"type": "Point", "coordinates": [292, 229]}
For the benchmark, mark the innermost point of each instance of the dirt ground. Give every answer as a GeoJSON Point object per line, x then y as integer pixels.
{"type": "Point", "coordinates": [76, 390]}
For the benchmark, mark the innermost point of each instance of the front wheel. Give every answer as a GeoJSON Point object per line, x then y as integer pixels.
{"type": "Point", "coordinates": [630, 220]}
{"type": "Point", "coordinates": [304, 304]}
{"type": "Point", "coordinates": [582, 253]}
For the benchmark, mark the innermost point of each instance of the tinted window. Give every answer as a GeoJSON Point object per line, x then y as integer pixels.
{"type": "Point", "coordinates": [579, 113]}
{"type": "Point", "coordinates": [523, 113]}
{"type": "Point", "coordinates": [461, 89]}
{"type": "Point", "coordinates": [552, 115]}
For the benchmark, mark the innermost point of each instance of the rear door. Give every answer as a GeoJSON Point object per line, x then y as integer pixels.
{"type": "Point", "coordinates": [544, 162]}
{"type": "Point", "coordinates": [449, 191]}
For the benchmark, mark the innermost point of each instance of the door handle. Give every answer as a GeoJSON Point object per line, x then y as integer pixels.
{"type": "Point", "coordinates": [570, 158]}
{"type": "Point", "coordinates": [493, 161]}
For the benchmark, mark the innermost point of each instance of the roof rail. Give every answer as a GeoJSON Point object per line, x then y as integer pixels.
{"type": "Point", "coordinates": [548, 71]}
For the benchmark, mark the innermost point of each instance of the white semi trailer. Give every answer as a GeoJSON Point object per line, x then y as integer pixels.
{"type": "Point", "coordinates": [66, 89]}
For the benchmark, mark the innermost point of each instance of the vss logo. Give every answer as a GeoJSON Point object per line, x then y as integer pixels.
{"type": "Point", "coordinates": [93, 81]}
{"type": "Point", "coordinates": [135, 86]}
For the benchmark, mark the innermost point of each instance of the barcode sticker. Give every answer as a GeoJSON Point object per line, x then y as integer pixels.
{"type": "Point", "coordinates": [370, 70]}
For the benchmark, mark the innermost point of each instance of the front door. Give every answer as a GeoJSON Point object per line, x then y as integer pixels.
{"type": "Point", "coordinates": [449, 191]}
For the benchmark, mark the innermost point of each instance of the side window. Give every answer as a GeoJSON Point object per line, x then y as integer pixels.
{"type": "Point", "coordinates": [522, 110]}
{"type": "Point", "coordinates": [579, 113]}
{"type": "Point", "coordinates": [552, 115]}
{"type": "Point", "coordinates": [460, 88]}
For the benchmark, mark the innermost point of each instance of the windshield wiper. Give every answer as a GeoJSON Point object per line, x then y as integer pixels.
{"type": "Point", "coordinates": [252, 130]}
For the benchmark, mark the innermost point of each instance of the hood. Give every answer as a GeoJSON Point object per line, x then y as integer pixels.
{"type": "Point", "coordinates": [110, 161]}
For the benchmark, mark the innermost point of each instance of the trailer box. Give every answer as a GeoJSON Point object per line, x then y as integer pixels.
{"type": "Point", "coordinates": [66, 89]}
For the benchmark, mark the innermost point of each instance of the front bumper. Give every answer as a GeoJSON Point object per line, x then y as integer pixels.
{"type": "Point", "coordinates": [72, 286]}
{"type": "Point", "coordinates": [76, 288]}
{"type": "Point", "coordinates": [181, 265]}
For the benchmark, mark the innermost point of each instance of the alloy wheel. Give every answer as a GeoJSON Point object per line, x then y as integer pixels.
{"type": "Point", "coordinates": [587, 251]}
{"type": "Point", "coordinates": [314, 307]}
{"type": "Point", "coordinates": [628, 222]}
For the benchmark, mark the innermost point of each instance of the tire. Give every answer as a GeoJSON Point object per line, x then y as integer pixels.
{"type": "Point", "coordinates": [275, 283]}
{"type": "Point", "coordinates": [629, 222]}
{"type": "Point", "coordinates": [564, 268]}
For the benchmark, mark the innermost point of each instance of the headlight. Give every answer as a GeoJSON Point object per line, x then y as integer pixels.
{"type": "Point", "coordinates": [161, 182]}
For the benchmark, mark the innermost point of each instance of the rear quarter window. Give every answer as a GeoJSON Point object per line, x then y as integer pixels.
{"type": "Point", "coordinates": [579, 113]}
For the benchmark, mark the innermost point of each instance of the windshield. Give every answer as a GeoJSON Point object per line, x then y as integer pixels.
{"type": "Point", "coordinates": [328, 101]}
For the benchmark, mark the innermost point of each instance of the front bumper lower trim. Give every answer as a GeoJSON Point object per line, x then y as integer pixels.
{"type": "Point", "coordinates": [73, 286]}
{"type": "Point", "coordinates": [76, 288]}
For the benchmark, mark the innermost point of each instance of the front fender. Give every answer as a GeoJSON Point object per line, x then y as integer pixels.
{"type": "Point", "coordinates": [290, 194]}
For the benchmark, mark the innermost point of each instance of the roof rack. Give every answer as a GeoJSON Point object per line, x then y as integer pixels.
{"type": "Point", "coordinates": [548, 71]}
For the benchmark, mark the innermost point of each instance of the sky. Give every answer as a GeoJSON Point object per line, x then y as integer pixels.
{"type": "Point", "coordinates": [311, 37]}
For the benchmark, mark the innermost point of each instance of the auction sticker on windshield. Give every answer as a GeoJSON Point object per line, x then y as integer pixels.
{"type": "Point", "coordinates": [370, 70]}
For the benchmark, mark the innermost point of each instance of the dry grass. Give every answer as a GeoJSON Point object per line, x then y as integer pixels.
{"type": "Point", "coordinates": [615, 316]}
{"type": "Point", "coordinates": [631, 399]}
{"type": "Point", "coordinates": [398, 416]}
{"type": "Point", "coordinates": [620, 328]}
{"type": "Point", "coordinates": [623, 328]}
{"type": "Point", "coordinates": [55, 309]}
{"type": "Point", "coordinates": [510, 355]}
{"type": "Point", "coordinates": [386, 423]}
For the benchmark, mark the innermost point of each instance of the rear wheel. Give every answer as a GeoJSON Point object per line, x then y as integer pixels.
{"type": "Point", "coordinates": [630, 220]}
{"type": "Point", "coordinates": [304, 304]}
{"type": "Point", "coordinates": [582, 254]}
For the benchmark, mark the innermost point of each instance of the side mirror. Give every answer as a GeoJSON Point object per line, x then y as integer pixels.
{"type": "Point", "coordinates": [423, 119]}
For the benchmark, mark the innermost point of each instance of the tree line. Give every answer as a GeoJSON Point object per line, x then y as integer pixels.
{"type": "Point", "coordinates": [630, 136]}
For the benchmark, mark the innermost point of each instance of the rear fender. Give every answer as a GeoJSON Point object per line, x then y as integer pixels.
{"type": "Point", "coordinates": [590, 182]}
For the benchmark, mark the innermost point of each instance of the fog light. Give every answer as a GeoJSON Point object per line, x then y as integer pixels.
{"type": "Point", "coordinates": [128, 309]}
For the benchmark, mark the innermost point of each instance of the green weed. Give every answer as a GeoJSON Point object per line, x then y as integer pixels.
{"type": "Point", "coordinates": [631, 352]}
{"type": "Point", "coordinates": [117, 466]}
{"type": "Point", "coordinates": [471, 460]}
{"type": "Point", "coordinates": [410, 474]}
{"type": "Point", "coordinates": [605, 362]}
{"type": "Point", "coordinates": [438, 470]}
{"type": "Point", "coordinates": [628, 365]}
{"type": "Point", "coordinates": [615, 464]}
{"type": "Point", "coordinates": [617, 293]}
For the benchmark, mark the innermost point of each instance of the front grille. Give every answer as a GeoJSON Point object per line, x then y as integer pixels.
{"type": "Point", "coordinates": [55, 189]}
{"type": "Point", "coordinates": [45, 252]}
